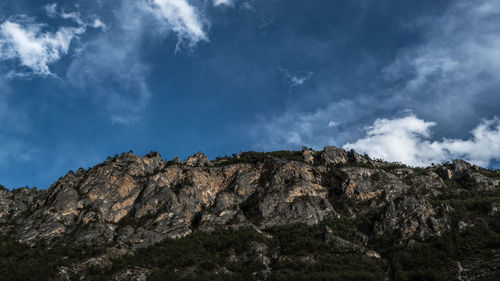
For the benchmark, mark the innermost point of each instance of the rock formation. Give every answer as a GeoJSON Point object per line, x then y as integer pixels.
{"type": "Point", "coordinates": [137, 201]}
{"type": "Point", "coordinates": [142, 200]}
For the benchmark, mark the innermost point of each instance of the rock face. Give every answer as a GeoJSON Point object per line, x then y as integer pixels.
{"type": "Point", "coordinates": [141, 200]}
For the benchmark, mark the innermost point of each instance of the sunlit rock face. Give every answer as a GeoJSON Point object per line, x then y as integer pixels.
{"type": "Point", "coordinates": [142, 200]}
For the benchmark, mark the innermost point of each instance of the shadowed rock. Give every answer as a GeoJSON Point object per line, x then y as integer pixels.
{"type": "Point", "coordinates": [142, 200]}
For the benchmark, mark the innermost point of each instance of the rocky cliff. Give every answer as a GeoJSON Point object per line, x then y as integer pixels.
{"type": "Point", "coordinates": [138, 201]}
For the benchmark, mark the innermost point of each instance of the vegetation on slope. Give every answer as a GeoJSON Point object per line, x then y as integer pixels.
{"type": "Point", "coordinates": [305, 255]}
{"type": "Point", "coordinates": [296, 252]}
{"type": "Point", "coordinates": [253, 157]}
{"type": "Point", "coordinates": [21, 262]}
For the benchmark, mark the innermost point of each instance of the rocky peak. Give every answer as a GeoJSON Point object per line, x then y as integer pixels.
{"type": "Point", "coordinates": [198, 160]}
{"type": "Point", "coordinates": [332, 155]}
{"type": "Point", "coordinates": [137, 200]}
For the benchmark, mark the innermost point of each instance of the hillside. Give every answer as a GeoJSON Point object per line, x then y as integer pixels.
{"type": "Point", "coordinates": [285, 215]}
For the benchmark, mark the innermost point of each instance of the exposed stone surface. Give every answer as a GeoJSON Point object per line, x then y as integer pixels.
{"type": "Point", "coordinates": [134, 201]}
{"type": "Point", "coordinates": [309, 155]}
{"type": "Point", "coordinates": [142, 200]}
{"type": "Point", "coordinates": [334, 155]}
{"type": "Point", "coordinates": [197, 160]}
{"type": "Point", "coordinates": [468, 175]}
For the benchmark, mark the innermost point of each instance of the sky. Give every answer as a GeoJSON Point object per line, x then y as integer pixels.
{"type": "Point", "coordinates": [410, 81]}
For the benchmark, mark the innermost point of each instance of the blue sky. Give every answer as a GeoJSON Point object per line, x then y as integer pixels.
{"type": "Point", "coordinates": [400, 80]}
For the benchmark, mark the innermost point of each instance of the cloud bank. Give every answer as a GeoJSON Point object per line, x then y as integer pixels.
{"type": "Point", "coordinates": [453, 72]}
{"type": "Point", "coordinates": [407, 140]}
{"type": "Point", "coordinates": [332, 125]}
{"type": "Point", "coordinates": [450, 77]}
{"type": "Point", "coordinates": [182, 18]}
{"type": "Point", "coordinates": [35, 49]}
{"type": "Point", "coordinates": [110, 69]}
{"type": "Point", "coordinates": [110, 65]}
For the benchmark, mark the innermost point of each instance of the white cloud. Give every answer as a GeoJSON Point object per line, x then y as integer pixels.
{"type": "Point", "coordinates": [332, 124]}
{"type": "Point", "coordinates": [97, 23]}
{"type": "Point", "coordinates": [93, 21]}
{"type": "Point", "coordinates": [291, 129]}
{"type": "Point", "coordinates": [116, 80]}
{"type": "Point", "coordinates": [35, 49]}
{"type": "Point", "coordinates": [295, 79]}
{"type": "Point", "coordinates": [223, 2]}
{"type": "Point", "coordinates": [51, 10]}
{"type": "Point", "coordinates": [34, 46]}
{"type": "Point", "coordinates": [182, 18]}
{"type": "Point", "coordinates": [455, 68]}
{"type": "Point", "coordinates": [450, 77]}
{"type": "Point", "coordinates": [109, 68]}
{"type": "Point", "coordinates": [407, 140]}
{"type": "Point", "coordinates": [247, 6]}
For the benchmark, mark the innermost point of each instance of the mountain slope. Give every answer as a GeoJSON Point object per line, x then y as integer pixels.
{"type": "Point", "coordinates": [334, 207]}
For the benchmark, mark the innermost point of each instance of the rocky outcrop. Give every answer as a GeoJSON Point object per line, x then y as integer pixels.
{"type": "Point", "coordinates": [138, 201]}
{"type": "Point", "coordinates": [198, 160]}
{"type": "Point", "coordinates": [467, 175]}
{"type": "Point", "coordinates": [332, 155]}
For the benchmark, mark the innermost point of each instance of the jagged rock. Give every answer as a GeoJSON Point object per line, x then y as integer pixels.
{"type": "Point", "coordinates": [198, 160]}
{"type": "Point", "coordinates": [334, 155]}
{"type": "Point", "coordinates": [142, 200]}
{"type": "Point", "coordinates": [354, 157]}
{"type": "Point", "coordinates": [410, 216]}
{"type": "Point", "coordinates": [445, 173]}
{"type": "Point", "coordinates": [459, 166]}
{"type": "Point", "coordinates": [480, 182]}
{"type": "Point", "coordinates": [347, 246]}
{"type": "Point", "coordinates": [365, 184]}
{"type": "Point", "coordinates": [309, 155]}
{"type": "Point", "coordinates": [177, 160]}
{"type": "Point", "coordinates": [467, 176]}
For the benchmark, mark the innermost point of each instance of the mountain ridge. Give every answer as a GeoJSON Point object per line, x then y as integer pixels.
{"type": "Point", "coordinates": [136, 202]}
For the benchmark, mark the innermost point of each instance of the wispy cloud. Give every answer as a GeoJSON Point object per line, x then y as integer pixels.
{"type": "Point", "coordinates": [34, 46]}
{"type": "Point", "coordinates": [183, 19]}
{"type": "Point", "coordinates": [455, 68]}
{"type": "Point", "coordinates": [53, 11]}
{"type": "Point", "coordinates": [332, 125]}
{"type": "Point", "coordinates": [25, 41]}
{"type": "Point", "coordinates": [450, 77]}
{"type": "Point", "coordinates": [294, 79]}
{"type": "Point", "coordinates": [223, 2]}
{"type": "Point", "coordinates": [109, 66]}
{"type": "Point", "coordinates": [407, 140]}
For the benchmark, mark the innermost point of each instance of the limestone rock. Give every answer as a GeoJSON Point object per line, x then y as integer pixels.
{"type": "Point", "coordinates": [142, 200]}
{"type": "Point", "coordinates": [334, 155]}
{"type": "Point", "coordinates": [198, 160]}
{"type": "Point", "coordinates": [309, 155]}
